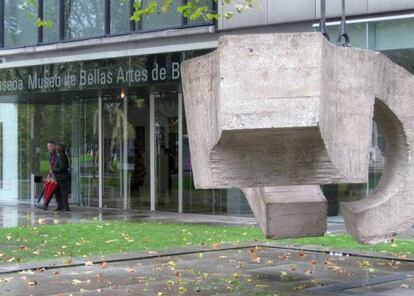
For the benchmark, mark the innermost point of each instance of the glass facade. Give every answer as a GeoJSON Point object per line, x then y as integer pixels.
{"type": "Point", "coordinates": [80, 19]}
{"type": "Point", "coordinates": [123, 123]}
{"type": "Point", "coordinates": [392, 38]}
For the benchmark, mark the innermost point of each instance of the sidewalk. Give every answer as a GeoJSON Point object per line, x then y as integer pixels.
{"type": "Point", "coordinates": [238, 270]}
{"type": "Point", "coordinates": [12, 215]}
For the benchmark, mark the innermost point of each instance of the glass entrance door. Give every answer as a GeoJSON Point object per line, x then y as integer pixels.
{"type": "Point", "coordinates": [85, 154]}
{"type": "Point", "coordinates": [113, 152]}
{"type": "Point", "coordinates": [166, 142]}
{"type": "Point", "coordinates": [138, 152]}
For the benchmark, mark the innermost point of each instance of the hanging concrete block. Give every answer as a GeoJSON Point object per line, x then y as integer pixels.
{"type": "Point", "coordinates": [293, 109]}
{"type": "Point", "coordinates": [289, 211]}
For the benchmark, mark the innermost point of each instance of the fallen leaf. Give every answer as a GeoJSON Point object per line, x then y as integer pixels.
{"type": "Point", "coordinates": [253, 255]}
{"type": "Point", "coordinates": [130, 269]}
{"type": "Point", "coordinates": [364, 263]}
{"type": "Point", "coordinates": [29, 271]}
{"type": "Point", "coordinates": [104, 264]}
{"type": "Point", "coordinates": [110, 241]}
{"type": "Point", "coordinates": [88, 263]}
{"type": "Point", "coordinates": [215, 245]}
{"type": "Point", "coordinates": [31, 282]}
{"type": "Point", "coordinates": [6, 280]}
{"type": "Point", "coordinates": [182, 289]}
{"type": "Point", "coordinates": [67, 261]}
{"type": "Point", "coordinates": [76, 282]}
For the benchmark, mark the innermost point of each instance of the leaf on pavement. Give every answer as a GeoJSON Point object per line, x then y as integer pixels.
{"type": "Point", "coordinates": [88, 263]}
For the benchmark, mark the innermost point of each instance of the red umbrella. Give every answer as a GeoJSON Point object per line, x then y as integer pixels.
{"type": "Point", "coordinates": [50, 188]}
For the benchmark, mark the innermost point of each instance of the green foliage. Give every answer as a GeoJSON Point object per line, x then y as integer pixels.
{"type": "Point", "coordinates": [44, 23]}
{"type": "Point", "coordinates": [192, 10]}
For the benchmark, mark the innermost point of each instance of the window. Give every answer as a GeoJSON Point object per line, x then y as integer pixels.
{"type": "Point", "coordinates": [159, 20]}
{"type": "Point", "coordinates": [51, 13]}
{"type": "Point", "coordinates": [20, 22]}
{"type": "Point", "coordinates": [84, 18]}
{"type": "Point", "coordinates": [120, 14]}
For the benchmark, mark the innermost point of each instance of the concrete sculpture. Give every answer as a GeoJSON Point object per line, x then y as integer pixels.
{"type": "Point", "coordinates": [279, 114]}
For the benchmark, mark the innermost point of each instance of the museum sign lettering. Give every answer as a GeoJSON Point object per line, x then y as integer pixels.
{"type": "Point", "coordinates": [124, 72]}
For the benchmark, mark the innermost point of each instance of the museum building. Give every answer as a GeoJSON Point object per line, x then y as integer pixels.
{"type": "Point", "coordinates": [110, 90]}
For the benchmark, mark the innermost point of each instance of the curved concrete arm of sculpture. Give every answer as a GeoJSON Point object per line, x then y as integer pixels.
{"type": "Point", "coordinates": [389, 209]}
{"type": "Point", "coordinates": [277, 113]}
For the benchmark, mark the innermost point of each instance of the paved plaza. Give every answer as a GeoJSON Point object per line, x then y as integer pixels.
{"type": "Point", "coordinates": [236, 271]}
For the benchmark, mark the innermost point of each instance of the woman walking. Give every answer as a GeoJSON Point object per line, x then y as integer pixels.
{"type": "Point", "coordinates": [62, 176]}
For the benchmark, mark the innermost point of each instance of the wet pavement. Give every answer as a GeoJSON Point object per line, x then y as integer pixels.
{"type": "Point", "coordinates": [22, 215]}
{"type": "Point", "coordinates": [12, 215]}
{"type": "Point", "coordinates": [239, 271]}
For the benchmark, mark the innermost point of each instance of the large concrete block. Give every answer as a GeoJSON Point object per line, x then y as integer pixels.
{"type": "Point", "coordinates": [289, 211]}
{"type": "Point", "coordinates": [261, 113]}
{"type": "Point", "coordinates": [293, 109]}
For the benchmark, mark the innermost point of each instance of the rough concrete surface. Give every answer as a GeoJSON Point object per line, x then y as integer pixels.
{"type": "Point", "coordinates": [271, 110]}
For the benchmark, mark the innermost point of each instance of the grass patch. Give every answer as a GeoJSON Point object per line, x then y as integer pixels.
{"type": "Point", "coordinates": [27, 244]}
{"type": "Point", "coordinates": [346, 242]}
